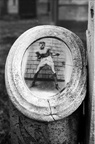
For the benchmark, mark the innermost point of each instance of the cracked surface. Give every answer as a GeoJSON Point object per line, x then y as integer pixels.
{"type": "Point", "coordinates": [50, 110]}
{"type": "Point", "coordinates": [29, 131]}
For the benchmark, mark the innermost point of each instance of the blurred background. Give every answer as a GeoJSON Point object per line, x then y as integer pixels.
{"type": "Point", "coordinates": [16, 16]}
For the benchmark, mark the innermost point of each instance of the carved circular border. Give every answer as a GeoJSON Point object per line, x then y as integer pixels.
{"type": "Point", "coordinates": [56, 107]}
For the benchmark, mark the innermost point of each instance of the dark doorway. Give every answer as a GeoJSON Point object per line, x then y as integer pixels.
{"type": "Point", "coordinates": [27, 8]}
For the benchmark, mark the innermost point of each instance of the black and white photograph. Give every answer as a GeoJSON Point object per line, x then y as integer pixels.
{"type": "Point", "coordinates": [47, 72]}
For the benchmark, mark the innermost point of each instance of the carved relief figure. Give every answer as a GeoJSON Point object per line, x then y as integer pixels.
{"type": "Point", "coordinates": [44, 55]}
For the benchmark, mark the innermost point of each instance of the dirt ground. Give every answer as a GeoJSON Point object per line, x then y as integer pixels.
{"type": "Point", "coordinates": [9, 32]}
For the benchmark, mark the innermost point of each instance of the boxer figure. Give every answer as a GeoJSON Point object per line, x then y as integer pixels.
{"type": "Point", "coordinates": [44, 55]}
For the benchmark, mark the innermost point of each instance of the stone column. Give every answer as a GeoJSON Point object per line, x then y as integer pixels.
{"type": "Point", "coordinates": [23, 130]}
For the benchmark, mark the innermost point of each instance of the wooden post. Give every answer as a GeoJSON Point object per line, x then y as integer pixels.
{"type": "Point", "coordinates": [90, 33]}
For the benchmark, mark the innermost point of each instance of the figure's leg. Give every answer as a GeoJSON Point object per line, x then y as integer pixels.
{"type": "Point", "coordinates": [35, 76]}
{"type": "Point", "coordinates": [40, 66]}
{"type": "Point", "coordinates": [51, 64]}
{"type": "Point", "coordinates": [34, 79]}
{"type": "Point", "coordinates": [56, 82]}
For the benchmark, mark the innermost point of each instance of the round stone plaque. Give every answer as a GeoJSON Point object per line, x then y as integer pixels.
{"type": "Point", "coordinates": [46, 73]}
